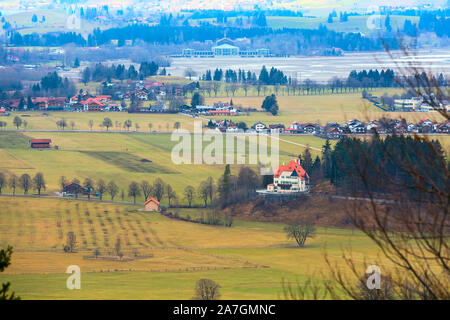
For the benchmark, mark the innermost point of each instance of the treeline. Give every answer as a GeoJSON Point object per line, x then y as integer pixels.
{"type": "Point", "coordinates": [371, 78]}
{"type": "Point", "coordinates": [221, 14]}
{"type": "Point", "coordinates": [100, 72]}
{"type": "Point", "coordinates": [355, 164]}
{"type": "Point", "coordinates": [227, 190]}
{"type": "Point", "coordinates": [437, 22]}
{"type": "Point", "coordinates": [24, 182]}
{"type": "Point", "coordinates": [167, 34]}
{"type": "Point", "coordinates": [53, 85]}
{"type": "Point", "coordinates": [273, 77]}
{"type": "Point", "coordinates": [52, 39]}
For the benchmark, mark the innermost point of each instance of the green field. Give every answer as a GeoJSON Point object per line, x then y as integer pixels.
{"type": "Point", "coordinates": [122, 157]}
{"type": "Point", "coordinates": [55, 20]}
{"type": "Point", "coordinates": [249, 260]}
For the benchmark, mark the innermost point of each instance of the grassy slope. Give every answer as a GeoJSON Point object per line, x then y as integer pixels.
{"type": "Point", "coordinates": [111, 156]}
{"type": "Point", "coordinates": [249, 260]}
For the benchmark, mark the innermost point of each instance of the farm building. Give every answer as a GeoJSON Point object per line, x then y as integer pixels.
{"type": "Point", "coordinates": [40, 143]}
{"type": "Point", "coordinates": [74, 188]}
{"type": "Point", "coordinates": [152, 205]}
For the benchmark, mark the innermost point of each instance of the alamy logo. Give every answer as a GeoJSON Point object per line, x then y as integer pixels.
{"type": "Point", "coordinates": [225, 148]}
{"type": "Point", "coordinates": [374, 279]}
{"type": "Point", "coordinates": [74, 280]}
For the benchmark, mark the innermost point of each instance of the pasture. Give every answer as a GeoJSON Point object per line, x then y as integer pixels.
{"type": "Point", "coordinates": [249, 260]}
{"type": "Point", "coordinates": [122, 157]}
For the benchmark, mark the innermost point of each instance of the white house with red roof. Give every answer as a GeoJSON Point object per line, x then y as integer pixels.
{"type": "Point", "coordinates": [290, 178]}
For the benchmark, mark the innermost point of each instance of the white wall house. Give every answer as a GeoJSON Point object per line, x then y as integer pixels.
{"type": "Point", "coordinates": [290, 178]}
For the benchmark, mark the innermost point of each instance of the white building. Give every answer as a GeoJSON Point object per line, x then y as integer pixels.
{"type": "Point", "coordinates": [290, 178]}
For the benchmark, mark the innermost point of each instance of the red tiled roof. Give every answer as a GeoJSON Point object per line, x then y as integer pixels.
{"type": "Point", "coordinates": [152, 199]}
{"type": "Point", "coordinates": [292, 166]}
{"type": "Point", "coordinates": [40, 140]}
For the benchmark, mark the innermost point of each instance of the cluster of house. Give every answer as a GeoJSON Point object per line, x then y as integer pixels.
{"type": "Point", "coordinates": [145, 90]}
{"type": "Point", "coordinates": [79, 103]}
{"type": "Point", "coordinates": [334, 130]}
{"type": "Point", "coordinates": [141, 90]}
{"type": "Point", "coordinates": [217, 109]}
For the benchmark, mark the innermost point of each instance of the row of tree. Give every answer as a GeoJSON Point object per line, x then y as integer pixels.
{"type": "Point", "coordinates": [168, 34]}
{"type": "Point", "coordinates": [24, 182]}
{"type": "Point", "coordinates": [100, 72]}
{"type": "Point", "coordinates": [272, 77]}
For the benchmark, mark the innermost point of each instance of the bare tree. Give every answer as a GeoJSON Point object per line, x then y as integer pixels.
{"type": "Point", "coordinates": [71, 242]}
{"type": "Point", "coordinates": [189, 193]}
{"type": "Point", "coordinates": [89, 185]}
{"type": "Point", "coordinates": [207, 289]}
{"type": "Point", "coordinates": [112, 189]}
{"type": "Point", "coordinates": [13, 182]}
{"type": "Point", "coordinates": [203, 191]}
{"type": "Point", "coordinates": [300, 232]}
{"type": "Point", "coordinates": [158, 189]}
{"type": "Point", "coordinates": [62, 182]}
{"type": "Point", "coordinates": [39, 182]}
{"type": "Point", "coordinates": [171, 194]}
{"type": "Point", "coordinates": [3, 181]}
{"type": "Point", "coordinates": [134, 191]}
{"type": "Point", "coordinates": [146, 189]}
{"type": "Point", "coordinates": [101, 188]}
{"type": "Point", "coordinates": [25, 182]}
{"type": "Point", "coordinates": [189, 72]}
{"type": "Point", "coordinates": [107, 123]}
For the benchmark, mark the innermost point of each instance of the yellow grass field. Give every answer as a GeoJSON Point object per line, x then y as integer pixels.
{"type": "Point", "coordinates": [249, 260]}
{"type": "Point", "coordinates": [329, 108]}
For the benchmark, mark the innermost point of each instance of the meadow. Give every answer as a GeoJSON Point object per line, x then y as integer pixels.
{"type": "Point", "coordinates": [122, 157]}
{"type": "Point", "coordinates": [249, 260]}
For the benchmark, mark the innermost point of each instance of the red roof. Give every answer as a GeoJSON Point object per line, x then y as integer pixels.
{"type": "Point", "coordinates": [292, 166]}
{"type": "Point", "coordinates": [152, 199]}
{"type": "Point", "coordinates": [40, 140]}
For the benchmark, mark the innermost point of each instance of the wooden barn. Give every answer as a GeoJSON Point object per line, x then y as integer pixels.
{"type": "Point", "coordinates": [73, 188]}
{"type": "Point", "coordinates": [40, 143]}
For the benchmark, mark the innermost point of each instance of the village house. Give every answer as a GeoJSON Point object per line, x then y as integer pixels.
{"type": "Point", "coordinates": [296, 127]}
{"type": "Point", "coordinates": [44, 103]}
{"type": "Point", "coordinates": [276, 128]}
{"type": "Point", "coordinates": [151, 205]}
{"type": "Point", "coordinates": [259, 127]}
{"type": "Point", "coordinates": [310, 128]}
{"type": "Point", "coordinates": [290, 178]}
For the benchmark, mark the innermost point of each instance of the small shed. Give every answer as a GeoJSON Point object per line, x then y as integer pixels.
{"type": "Point", "coordinates": [40, 143]}
{"type": "Point", "coordinates": [151, 205]}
